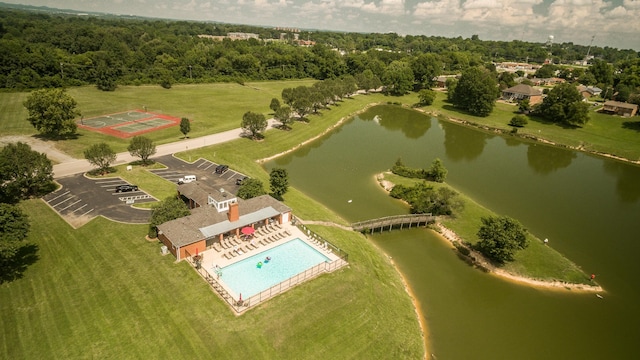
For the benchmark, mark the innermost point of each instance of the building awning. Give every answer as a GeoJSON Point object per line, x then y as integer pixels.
{"type": "Point", "coordinates": [244, 220]}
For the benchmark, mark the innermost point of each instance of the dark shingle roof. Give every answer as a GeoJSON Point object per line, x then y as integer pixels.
{"type": "Point", "coordinates": [523, 89]}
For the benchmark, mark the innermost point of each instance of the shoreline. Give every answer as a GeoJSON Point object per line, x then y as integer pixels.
{"type": "Point", "coordinates": [525, 136]}
{"type": "Point", "coordinates": [326, 131]}
{"type": "Point", "coordinates": [479, 260]}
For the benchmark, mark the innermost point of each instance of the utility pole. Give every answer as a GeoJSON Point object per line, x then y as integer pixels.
{"type": "Point", "coordinates": [190, 73]}
{"type": "Point", "coordinates": [62, 70]}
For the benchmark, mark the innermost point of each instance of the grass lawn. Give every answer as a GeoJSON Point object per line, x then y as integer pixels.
{"type": "Point", "coordinates": [103, 291]}
{"type": "Point", "coordinates": [603, 133]}
{"type": "Point", "coordinates": [537, 261]}
{"type": "Point", "coordinates": [109, 294]}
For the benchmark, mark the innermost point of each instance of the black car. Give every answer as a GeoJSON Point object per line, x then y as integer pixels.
{"type": "Point", "coordinates": [220, 169]}
{"type": "Point", "coordinates": [126, 188]}
{"type": "Point", "coordinates": [239, 181]}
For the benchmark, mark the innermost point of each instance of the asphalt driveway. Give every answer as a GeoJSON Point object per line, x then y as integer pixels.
{"type": "Point", "coordinates": [81, 199]}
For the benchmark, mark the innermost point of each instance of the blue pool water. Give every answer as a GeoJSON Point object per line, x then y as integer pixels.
{"type": "Point", "coordinates": [287, 260]}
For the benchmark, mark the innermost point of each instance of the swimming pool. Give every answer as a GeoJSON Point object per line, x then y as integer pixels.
{"type": "Point", "coordinates": [291, 258]}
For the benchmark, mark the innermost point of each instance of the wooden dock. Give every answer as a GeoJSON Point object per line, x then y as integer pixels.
{"type": "Point", "coordinates": [391, 222]}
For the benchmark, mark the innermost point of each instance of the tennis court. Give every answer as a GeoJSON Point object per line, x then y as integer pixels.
{"type": "Point", "coordinates": [129, 123]}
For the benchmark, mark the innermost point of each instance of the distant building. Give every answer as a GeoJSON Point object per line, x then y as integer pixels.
{"type": "Point", "coordinates": [522, 92]}
{"type": "Point", "coordinates": [620, 108]}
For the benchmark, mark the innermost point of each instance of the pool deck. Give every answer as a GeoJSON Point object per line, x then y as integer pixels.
{"type": "Point", "coordinates": [212, 257]}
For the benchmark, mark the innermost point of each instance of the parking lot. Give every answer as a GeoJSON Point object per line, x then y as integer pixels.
{"type": "Point", "coordinates": [203, 169]}
{"type": "Point", "coordinates": [81, 199]}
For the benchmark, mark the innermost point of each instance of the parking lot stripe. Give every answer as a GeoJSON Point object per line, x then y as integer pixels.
{"type": "Point", "coordinates": [80, 208]}
{"type": "Point", "coordinates": [58, 197]}
{"type": "Point", "coordinates": [64, 201]}
{"type": "Point", "coordinates": [70, 205]}
{"type": "Point", "coordinates": [87, 212]}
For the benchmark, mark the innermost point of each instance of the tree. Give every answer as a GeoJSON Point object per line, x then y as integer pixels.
{"type": "Point", "coordinates": [185, 126]}
{"type": "Point", "coordinates": [279, 182]}
{"type": "Point", "coordinates": [437, 172]}
{"type": "Point", "coordinates": [254, 123]}
{"type": "Point", "coordinates": [142, 147]}
{"type": "Point", "coordinates": [169, 209]}
{"type": "Point", "coordinates": [100, 155]}
{"type": "Point", "coordinates": [564, 104]}
{"type": "Point", "coordinates": [51, 112]}
{"type": "Point", "coordinates": [398, 78]}
{"type": "Point", "coordinates": [426, 96]}
{"type": "Point", "coordinates": [283, 114]}
{"type": "Point", "coordinates": [275, 104]}
{"type": "Point", "coordinates": [302, 101]}
{"type": "Point", "coordinates": [250, 188]}
{"type": "Point", "coordinates": [14, 228]}
{"type": "Point", "coordinates": [500, 238]}
{"type": "Point", "coordinates": [524, 106]}
{"type": "Point", "coordinates": [425, 68]}
{"type": "Point", "coordinates": [24, 173]}
{"type": "Point", "coordinates": [519, 121]}
{"type": "Point", "coordinates": [602, 72]}
{"type": "Point", "coordinates": [476, 91]}
{"type": "Point", "coordinates": [546, 71]}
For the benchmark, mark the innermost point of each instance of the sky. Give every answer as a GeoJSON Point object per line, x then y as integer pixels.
{"type": "Point", "coordinates": [613, 23]}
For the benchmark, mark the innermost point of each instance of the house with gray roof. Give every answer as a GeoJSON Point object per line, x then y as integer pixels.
{"type": "Point", "coordinates": [215, 215]}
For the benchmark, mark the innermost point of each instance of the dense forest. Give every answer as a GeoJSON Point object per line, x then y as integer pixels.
{"type": "Point", "coordinates": [46, 49]}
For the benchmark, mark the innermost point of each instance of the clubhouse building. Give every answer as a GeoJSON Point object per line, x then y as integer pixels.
{"type": "Point", "coordinates": [216, 215]}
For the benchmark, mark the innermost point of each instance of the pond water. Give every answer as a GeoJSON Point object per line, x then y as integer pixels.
{"type": "Point", "coordinates": [587, 206]}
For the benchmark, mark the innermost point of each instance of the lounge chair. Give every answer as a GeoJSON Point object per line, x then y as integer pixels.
{"type": "Point", "coordinates": [233, 253]}
{"type": "Point", "coordinates": [217, 247]}
{"type": "Point", "coordinates": [287, 232]}
{"type": "Point", "coordinates": [261, 242]}
{"type": "Point", "coordinates": [226, 255]}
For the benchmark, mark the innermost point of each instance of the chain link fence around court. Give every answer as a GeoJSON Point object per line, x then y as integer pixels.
{"type": "Point", "coordinates": [129, 123]}
{"type": "Point", "coordinates": [241, 305]}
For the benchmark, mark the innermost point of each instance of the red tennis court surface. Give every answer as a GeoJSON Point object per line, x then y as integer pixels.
{"type": "Point", "coordinates": [129, 123]}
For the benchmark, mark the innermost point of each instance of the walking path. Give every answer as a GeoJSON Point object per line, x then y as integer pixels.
{"type": "Point", "coordinates": [72, 166]}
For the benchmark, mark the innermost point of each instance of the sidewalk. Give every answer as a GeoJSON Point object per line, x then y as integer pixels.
{"type": "Point", "coordinates": [78, 166]}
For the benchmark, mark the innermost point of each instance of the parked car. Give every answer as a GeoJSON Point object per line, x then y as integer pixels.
{"type": "Point", "coordinates": [187, 179]}
{"type": "Point", "coordinates": [126, 188]}
{"type": "Point", "coordinates": [220, 169]}
{"type": "Point", "coordinates": [239, 181]}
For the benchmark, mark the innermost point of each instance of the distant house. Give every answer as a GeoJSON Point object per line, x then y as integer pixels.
{"type": "Point", "coordinates": [589, 91]}
{"type": "Point", "coordinates": [441, 81]}
{"type": "Point", "coordinates": [620, 108]}
{"type": "Point", "coordinates": [546, 81]}
{"type": "Point", "coordinates": [216, 214]}
{"type": "Point", "coordinates": [522, 92]}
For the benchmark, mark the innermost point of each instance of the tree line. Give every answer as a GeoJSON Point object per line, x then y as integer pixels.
{"type": "Point", "coordinates": [55, 50]}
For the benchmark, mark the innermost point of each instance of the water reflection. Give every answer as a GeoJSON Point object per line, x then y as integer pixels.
{"type": "Point", "coordinates": [461, 143]}
{"type": "Point", "coordinates": [545, 159]}
{"type": "Point", "coordinates": [627, 186]}
{"type": "Point", "coordinates": [394, 118]}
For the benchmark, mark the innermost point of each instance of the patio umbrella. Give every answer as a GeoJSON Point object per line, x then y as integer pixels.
{"type": "Point", "coordinates": [247, 230]}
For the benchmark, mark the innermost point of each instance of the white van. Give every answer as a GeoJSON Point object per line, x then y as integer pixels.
{"type": "Point", "coordinates": [187, 179]}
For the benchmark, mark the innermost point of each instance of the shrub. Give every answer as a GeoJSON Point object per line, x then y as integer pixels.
{"type": "Point", "coordinates": [519, 121]}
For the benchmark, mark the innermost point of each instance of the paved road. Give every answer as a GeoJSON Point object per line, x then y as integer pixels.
{"type": "Point", "coordinates": [79, 166]}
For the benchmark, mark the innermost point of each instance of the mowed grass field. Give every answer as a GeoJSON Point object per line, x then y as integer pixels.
{"type": "Point", "coordinates": [211, 108]}
{"type": "Point", "coordinates": [603, 133]}
{"type": "Point", "coordinates": [104, 292]}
